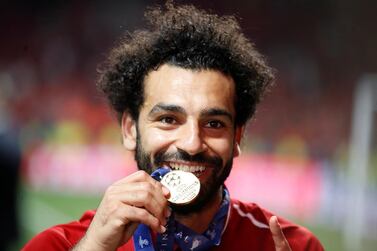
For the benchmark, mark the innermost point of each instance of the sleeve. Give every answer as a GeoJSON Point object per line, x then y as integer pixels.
{"type": "Point", "coordinates": [52, 239]}
{"type": "Point", "coordinates": [300, 238]}
{"type": "Point", "coordinates": [314, 244]}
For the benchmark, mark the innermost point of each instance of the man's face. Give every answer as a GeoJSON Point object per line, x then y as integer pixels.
{"type": "Point", "coordinates": [187, 123]}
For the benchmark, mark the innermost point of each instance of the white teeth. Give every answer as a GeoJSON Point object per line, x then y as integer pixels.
{"type": "Point", "coordinates": [187, 168]}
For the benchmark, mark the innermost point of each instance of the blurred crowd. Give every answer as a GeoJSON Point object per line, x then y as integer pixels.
{"type": "Point", "coordinates": [51, 51]}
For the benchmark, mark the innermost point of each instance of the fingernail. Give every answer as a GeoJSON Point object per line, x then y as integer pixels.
{"type": "Point", "coordinates": [165, 191]}
{"type": "Point", "coordinates": [276, 220]}
{"type": "Point", "coordinates": [168, 212]}
{"type": "Point", "coordinates": [162, 229]}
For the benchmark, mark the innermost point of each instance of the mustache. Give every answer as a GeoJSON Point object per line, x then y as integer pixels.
{"type": "Point", "coordinates": [181, 155]}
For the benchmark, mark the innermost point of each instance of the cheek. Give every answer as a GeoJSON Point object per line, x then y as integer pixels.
{"type": "Point", "coordinates": [155, 140]}
{"type": "Point", "coordinates": [222, 147]}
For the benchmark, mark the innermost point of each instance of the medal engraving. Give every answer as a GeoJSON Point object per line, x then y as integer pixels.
{"type": "Point", "coordinates": [183, 186]}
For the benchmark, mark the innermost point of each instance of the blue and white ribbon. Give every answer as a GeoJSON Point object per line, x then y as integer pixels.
{"type": "Point", "coordinates": [186, 238]}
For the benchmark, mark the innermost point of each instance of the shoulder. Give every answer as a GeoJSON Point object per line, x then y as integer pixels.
{"type": "Point", "coordinates": [250, 222]}
{"type": "Point", "coordinates": [61, 237]}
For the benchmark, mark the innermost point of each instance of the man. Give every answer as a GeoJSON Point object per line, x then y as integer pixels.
{"type": "Point", "coordinates": [183, 92]}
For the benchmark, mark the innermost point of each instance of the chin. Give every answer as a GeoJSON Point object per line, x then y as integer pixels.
{"type": "Point", "coordinates": [204, 199]}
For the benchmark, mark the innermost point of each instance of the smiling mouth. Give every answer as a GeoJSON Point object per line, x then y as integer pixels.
{"type": "Point", "coordinates": [196, 169]}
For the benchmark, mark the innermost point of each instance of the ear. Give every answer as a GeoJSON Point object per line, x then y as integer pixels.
{"type": "Point", "coordinates": [237, 141]}
{"type": "Point", "coordinates": [129, 132]}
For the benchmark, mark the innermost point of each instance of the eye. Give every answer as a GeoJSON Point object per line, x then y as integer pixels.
{"type": "Point", "coordinates": [215, 124]}
{"type": "Point", "coordinates": [168, 120]}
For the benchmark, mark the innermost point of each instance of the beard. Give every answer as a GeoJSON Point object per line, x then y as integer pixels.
{"type": "Point", "coordinates": [208, 190]}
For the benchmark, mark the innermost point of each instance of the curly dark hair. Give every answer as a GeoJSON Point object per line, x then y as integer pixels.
{"type": "Point", "coordinates": [187, 37]}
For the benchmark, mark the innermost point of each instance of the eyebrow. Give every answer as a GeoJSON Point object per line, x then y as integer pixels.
{"type": "Point", "coordinates": [166, 107]}
{"type": "Point", "coordinates": [216, 112]}
{"type": "Point", "coordinates": [161, 107]}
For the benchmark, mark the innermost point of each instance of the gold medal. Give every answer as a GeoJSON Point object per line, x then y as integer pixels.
{"type": "Point", "coordinates": [183, 186]}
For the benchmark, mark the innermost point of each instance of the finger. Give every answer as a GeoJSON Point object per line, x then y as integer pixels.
{"type": "Point", "coordinates": [142, 176]}
{"type": "Point", "coordinates": [134, 177]}
{"type": "Point", "coordinates": [281, 243]}
{"type": "Point", "coordinates": [133, 214]}
{"type": "Point", "coordinates": [159, 203]}
{"type": "Point", "coordinates": [142, 194]}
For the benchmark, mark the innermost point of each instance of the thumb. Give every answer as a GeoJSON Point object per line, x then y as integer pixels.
{"type": "Point", "coordinates": [129, 231]}
{"type": "Point", "coordinates": [281, 243]}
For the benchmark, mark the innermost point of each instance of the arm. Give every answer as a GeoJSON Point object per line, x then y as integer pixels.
{"type": "Point", "coordinates": [135, 199]}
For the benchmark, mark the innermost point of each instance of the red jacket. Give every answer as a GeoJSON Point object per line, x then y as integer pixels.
{"type": "Point", "coordinates": [246, 229]}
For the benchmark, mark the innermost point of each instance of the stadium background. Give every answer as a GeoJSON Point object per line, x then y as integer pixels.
{"type": "Point", "coordinates": [295, 157]}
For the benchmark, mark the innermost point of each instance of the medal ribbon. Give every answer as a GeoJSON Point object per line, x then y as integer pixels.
{"type": "Point", "coordinates": [186, 238]}
{"type": "Point", "coordinates": [142, 236]}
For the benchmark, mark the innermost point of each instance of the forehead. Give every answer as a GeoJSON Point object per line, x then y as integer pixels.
{"type": "Point", "coordinates": [189, 88]}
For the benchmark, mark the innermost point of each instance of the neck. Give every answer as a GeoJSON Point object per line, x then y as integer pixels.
{"type": "Point", "coordinates": [200, 221]}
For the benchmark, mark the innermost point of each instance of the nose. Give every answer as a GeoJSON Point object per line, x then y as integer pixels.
{"type": "Point", "coordinates": [190, 139]}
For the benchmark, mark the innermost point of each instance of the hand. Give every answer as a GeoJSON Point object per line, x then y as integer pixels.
{"type": "Point", "coordinates": [281, 243]}
{"type": "Point", "coordinates": [135, 199]}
